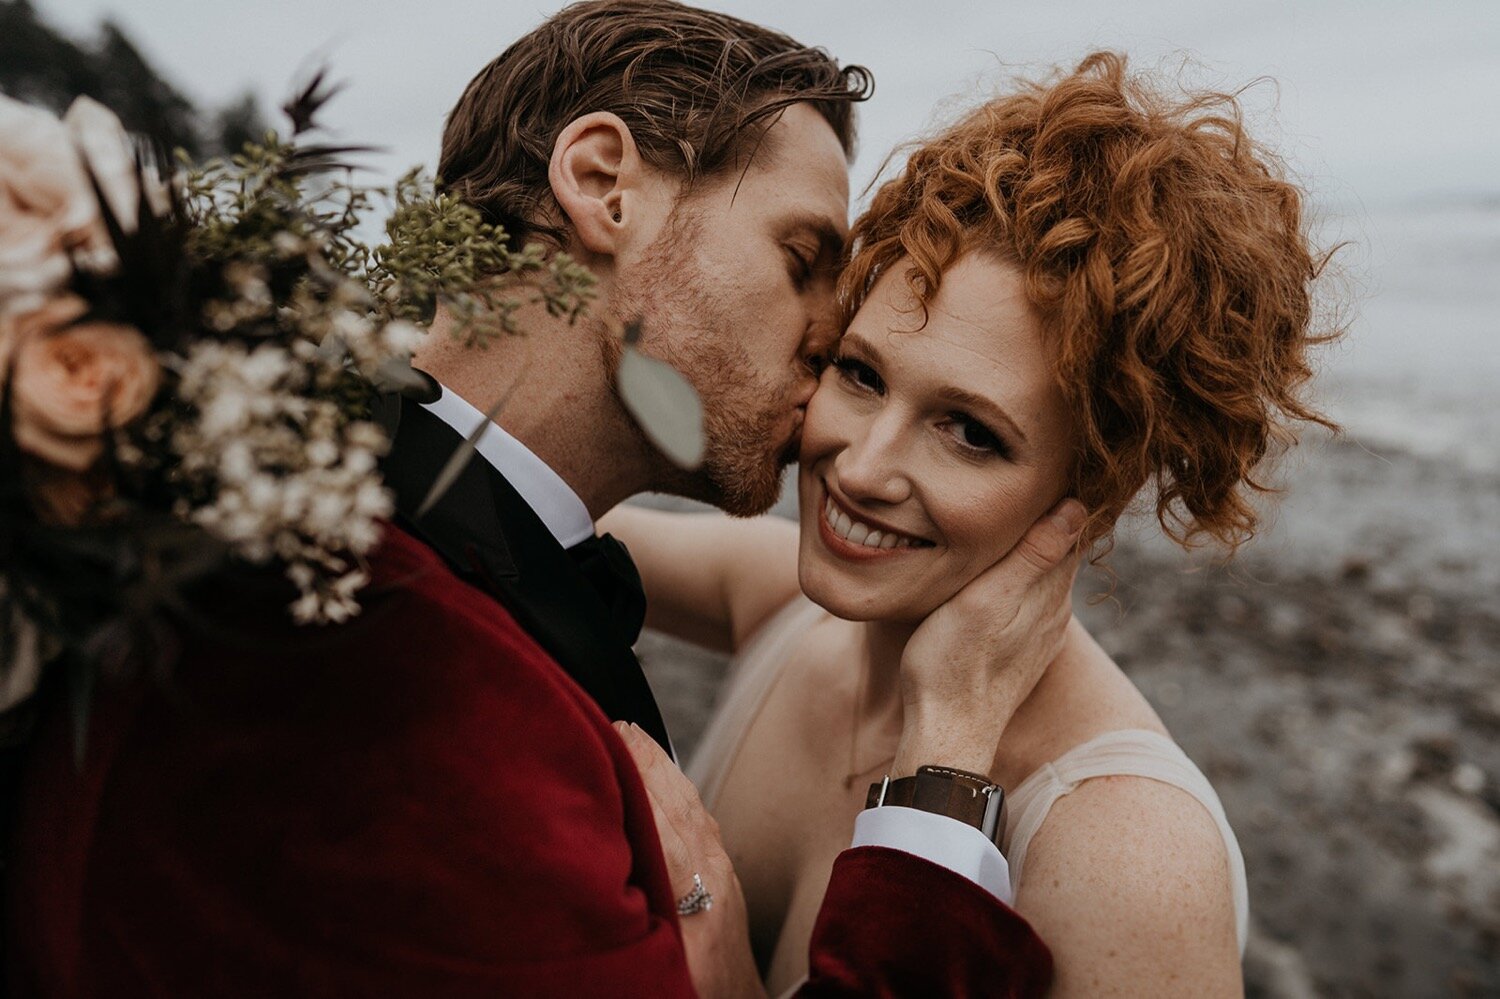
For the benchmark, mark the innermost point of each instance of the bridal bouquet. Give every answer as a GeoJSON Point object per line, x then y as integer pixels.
{"type": "Point", "coordinates": [189, 357]}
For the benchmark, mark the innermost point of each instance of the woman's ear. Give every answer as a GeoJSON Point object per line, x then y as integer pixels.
{"type": "Point", "coordinates": [594, 164]}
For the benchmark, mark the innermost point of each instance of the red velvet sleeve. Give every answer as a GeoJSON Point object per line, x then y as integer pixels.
{"type": "Point", "coordinates": [893, 924]}
{"type": "Point", "coordinates": [417, 804]}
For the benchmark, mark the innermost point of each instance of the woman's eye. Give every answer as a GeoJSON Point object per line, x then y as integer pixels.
{"type": "Point", "coordinates": [859, 374]}
{"type": "Point", "coordinates": [975, 435]}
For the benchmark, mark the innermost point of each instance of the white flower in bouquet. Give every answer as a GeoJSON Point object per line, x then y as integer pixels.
{"type": "Point", "coordinates": [42, 211]}
{"type": "Point", "coordinates": [291, 478]}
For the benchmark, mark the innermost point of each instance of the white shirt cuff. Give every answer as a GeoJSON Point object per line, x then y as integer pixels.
{"type": "Point", "coordinates": [949, 843]}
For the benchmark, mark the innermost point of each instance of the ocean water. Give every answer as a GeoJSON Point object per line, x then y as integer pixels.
{"type": "Point", "coordinates": [1419, 369]}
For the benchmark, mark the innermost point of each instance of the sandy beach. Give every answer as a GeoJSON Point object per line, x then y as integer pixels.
{"type": "Point", "coordinates": [1339, 682]}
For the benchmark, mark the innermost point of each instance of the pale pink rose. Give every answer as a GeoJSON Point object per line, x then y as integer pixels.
{"type": "Point", "coordinates": [63, 377]}
{"type": "Point", "coordinates": [39, 165]}
{"type": "Point", "coordinates": [49, 210]}
{"type": "Point", "coordinates": [42, 208]}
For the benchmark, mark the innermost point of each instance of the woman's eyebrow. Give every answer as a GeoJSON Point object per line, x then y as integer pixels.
{"type": "Point", "coordinates": [859, 345]}
{"type": "Point", "coordinates": [980, 406]}
{"type": "Point", "coordinates": [977, 404]}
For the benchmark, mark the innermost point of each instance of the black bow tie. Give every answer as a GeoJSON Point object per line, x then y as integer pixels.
{"type": "Point", "coordinates": [606, 564]}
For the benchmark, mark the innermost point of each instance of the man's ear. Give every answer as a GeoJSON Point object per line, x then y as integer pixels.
{"type": "Point", "coordinates": [594, 164]}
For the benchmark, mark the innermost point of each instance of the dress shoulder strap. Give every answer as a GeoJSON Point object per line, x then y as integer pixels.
{"type": "Point", "coordinates": [1121, 753]}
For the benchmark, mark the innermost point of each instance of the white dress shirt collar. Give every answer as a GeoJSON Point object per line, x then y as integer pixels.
{"type": "Point", "coordinates": [551, 498]}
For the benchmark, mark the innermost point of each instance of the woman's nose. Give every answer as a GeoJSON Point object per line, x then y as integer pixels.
{"type": "Point", "coordinates": [870, 467]}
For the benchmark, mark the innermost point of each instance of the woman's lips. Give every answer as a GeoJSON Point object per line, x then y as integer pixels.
{"type": "Point", "coordinates": [852, 539]}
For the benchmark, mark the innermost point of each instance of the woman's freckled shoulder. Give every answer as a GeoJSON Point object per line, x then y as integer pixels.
{"type": "Point", "coordinates": [1083, 695]}
{"type": "Point", "coordinates": [1118, 841]}
{"type": "Point", "coordinates": [1134, 843]}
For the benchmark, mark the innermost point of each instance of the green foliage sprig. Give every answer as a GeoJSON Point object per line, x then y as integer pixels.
{"type": "Point", "coordinates": [440, 251]}
{"type": "Point", "coordinates": [274, 322]}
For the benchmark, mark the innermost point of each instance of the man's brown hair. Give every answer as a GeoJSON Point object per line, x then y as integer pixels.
{"type": "Point", "coordinates": [696, 88]}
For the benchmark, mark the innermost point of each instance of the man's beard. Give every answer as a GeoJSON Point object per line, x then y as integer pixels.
{"type": "Point", "coordinates": [743, 457]}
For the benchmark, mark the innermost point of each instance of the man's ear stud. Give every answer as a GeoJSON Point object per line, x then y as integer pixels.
{"type": "Point", "coordinates": [615, 215]}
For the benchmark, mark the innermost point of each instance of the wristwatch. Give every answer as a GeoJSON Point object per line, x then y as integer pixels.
{"type": "Point", "coordinates": [970, 798]}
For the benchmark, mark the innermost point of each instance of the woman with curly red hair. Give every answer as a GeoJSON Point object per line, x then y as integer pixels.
{"type": "Point", "coordinates": [1084, 288]}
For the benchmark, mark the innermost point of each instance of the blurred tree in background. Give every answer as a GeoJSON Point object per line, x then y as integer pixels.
{"type": "Point", "coordinates": [42, 66]}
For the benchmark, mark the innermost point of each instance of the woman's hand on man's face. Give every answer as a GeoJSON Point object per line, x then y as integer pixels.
{"type": "Point", "coordinates": [972, 662]}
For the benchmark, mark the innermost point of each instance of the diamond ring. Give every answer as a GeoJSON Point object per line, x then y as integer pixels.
{"type": "Point", "coordinates": [696, 901]}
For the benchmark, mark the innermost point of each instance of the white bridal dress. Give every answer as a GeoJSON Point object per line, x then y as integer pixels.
{"type": "Point", "coordinates": [1127, 753]}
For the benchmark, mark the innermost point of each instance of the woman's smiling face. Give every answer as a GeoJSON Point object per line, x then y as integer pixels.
{"type": "Point", "coordinates": [927, 454]}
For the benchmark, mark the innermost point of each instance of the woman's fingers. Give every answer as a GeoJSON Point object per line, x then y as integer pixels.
{"type": "Point", "coordinates": [689, 835]}
{"type": "Point", "coordinates": [1048, 552]}
{"type": "Point", "coordinates": [645, 752]}
{"type": "Point", "coordinates": [716, 941]}
{"type": "Point", "coordinates": [1044, 559]}
{"type": "Point", "coordinates": [1048, 543]}
{"type": "Point", "coordinates": [648, 755]}
{"type": "Point", "coordinates": [664, 778]}
{"type": "Point", "coordinates": [679, 858]}
{"type": "Point", "coordinates": [1030, 586]}
{"type": "Point", "coordinates": [974, 659]}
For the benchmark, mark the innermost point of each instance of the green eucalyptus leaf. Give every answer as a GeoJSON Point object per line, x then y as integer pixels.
{"type": "Point", "coordinates": [664, 404]}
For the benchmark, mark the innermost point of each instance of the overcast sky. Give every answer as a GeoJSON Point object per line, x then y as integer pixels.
{"type": "Point", "coordinates": [1373, 102]}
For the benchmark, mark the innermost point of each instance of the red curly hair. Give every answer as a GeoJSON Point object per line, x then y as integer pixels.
{"type": "Point", "coordinates": [1165, 254]}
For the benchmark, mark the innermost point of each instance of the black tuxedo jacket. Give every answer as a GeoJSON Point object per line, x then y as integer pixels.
{"type": "Point", "coordinates": [490, 537]}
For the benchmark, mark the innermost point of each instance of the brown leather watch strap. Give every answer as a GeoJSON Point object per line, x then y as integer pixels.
{"type": "Point", "coordinates": [970, 798]}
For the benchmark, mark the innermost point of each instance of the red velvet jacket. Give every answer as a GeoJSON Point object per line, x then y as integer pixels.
{"type": "Point", "coordinates": [418, 803]}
